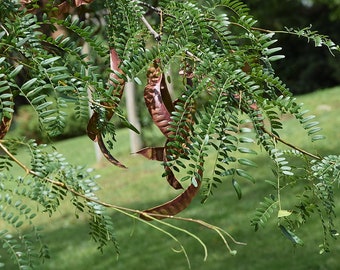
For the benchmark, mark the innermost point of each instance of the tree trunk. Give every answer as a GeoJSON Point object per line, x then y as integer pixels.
{"type": "Point", "coordinates": [135, 139]}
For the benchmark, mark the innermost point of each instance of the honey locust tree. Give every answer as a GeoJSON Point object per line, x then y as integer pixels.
{"type": "Point", "coordinates": [228, 105]}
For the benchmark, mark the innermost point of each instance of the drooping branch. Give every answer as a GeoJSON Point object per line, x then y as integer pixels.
{"type": "Point", "coordinates": [143, 216]}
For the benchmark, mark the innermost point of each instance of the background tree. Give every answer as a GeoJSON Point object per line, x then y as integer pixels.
{"type": "Point", "coordinates": [229, 103]}
{"type": "Point", "coordinates": [305, 69]}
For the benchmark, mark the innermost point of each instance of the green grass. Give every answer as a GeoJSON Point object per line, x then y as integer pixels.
{"type": "Point", "coordinates": [141, 186]}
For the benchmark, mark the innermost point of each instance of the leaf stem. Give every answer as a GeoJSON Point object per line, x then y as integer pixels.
{"type": "Point", "coordinates": [290, 145]}
{"type": "Point", "coordinates": [27, 170]}
{"type": "Point", "coordinates": [151, 30]}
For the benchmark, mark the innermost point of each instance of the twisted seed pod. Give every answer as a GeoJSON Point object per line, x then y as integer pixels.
{"type": "Point", "coordinates": [154, 100]}
{"type": "Point", "coordinates": [175, 205]}
{"type": "Point", "coordinates": [5, 124]}
{"type": "Point", "coordinates": [158, 153]}
{"type": "Point", "coordinates": [160, 106]}
{"type": "Point", "coordinates": [157, 100]}
{"type": "Point", "coordinates": [93, 131]}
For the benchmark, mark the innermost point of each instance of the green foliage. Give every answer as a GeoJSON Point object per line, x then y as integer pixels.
{"type": "Point", "coordinates": [27, 125]}
{"type": "Point", "coordinates": [263, 213]}
{"type": "Point", "coordinates": [229, 106]}
{"type": "Point", "coordinates": [54, 73]}
{"type": "Point", "coordinates": [52, 179]}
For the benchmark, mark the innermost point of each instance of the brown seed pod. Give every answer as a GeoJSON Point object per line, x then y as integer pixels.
{"type": "Point", "coordinates": [5, 124]}
{"type": "Point", "coordinates": [93, 131]}
{"type": "Point", "coordinates": [154, 99]}
{"type": "Point", "coordinates": [174, 206]}
{"type": "Point", "coordinates": [158, 153]}
{"type": "Point", "coordinates": [160, 106]}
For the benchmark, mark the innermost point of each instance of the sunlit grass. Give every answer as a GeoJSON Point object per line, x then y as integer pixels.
{"type": "Point", "coordinates": [141, 186]}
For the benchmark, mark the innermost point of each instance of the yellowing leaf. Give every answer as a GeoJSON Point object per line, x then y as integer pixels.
{"type": "Point", "coordinates": [284, 213]}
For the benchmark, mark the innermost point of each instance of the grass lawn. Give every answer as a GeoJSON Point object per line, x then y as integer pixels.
{"type": "Point", "coordinates": [141, 186]}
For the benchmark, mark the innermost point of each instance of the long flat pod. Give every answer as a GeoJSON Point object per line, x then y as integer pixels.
{"type": "Point", "coordinates": [174, 206]}
{"type": "Point", "coordinates": [93, 131]}
{"type": "Point", "coordinates": [159, 104]}
{"type": "Point", "coordinates": [159, 154]}
{"type": "Point", "coordinates": [5, 124]}
{"type": "Point", "coordinates": [6, 119]}
{"type": "Point", "coordinates": [154, 99]}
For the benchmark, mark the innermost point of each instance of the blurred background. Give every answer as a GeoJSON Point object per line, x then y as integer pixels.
{"type": "Point", "coordinates": [305, 68]}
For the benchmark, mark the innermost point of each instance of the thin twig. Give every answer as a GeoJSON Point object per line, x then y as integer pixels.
{"type": "Point", "coordinates": [151, 30]}
{"type": "Point", "coordinates": [14, 158]}
{"type": "Point", "coordinates": [157, 10]}
{"type": "Point", "coordinates": [4, 29]}
{"type": "Point", "coordinates": [156, 35]}
{"type": "Point", "coordinates": [193, 56]}
{"type": "Point", "coordinates": [290, 145]}
{"type": "Point", "coordinates": [269, 31]}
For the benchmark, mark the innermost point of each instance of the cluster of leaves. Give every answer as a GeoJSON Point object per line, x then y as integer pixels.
{"type": "Point", "coordinates": [233, 98]}
{"type": "Point", "coordinates": [50, 73]}
{"type": "Point", "coordinates": [48, 181]}
{"type": "Point", "coordinates": [317, 197]}
{"type": "Point", "coordinates": [231, 62]}
{"type": "Point", "coordinates": [233, 87]}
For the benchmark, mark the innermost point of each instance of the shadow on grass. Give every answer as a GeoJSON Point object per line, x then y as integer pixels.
{"type": "Point", "coordinates": [142, 247]}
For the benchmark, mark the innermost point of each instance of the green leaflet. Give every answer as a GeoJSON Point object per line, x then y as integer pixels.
{"type": "Point", "coordinates": [264, 212]}
{"type": "Point", "coordinates": [291, 236]}
{"type": "Point", "coordinates": [27, 85]}
{"type": "Point", "coordinates": [237, 188]}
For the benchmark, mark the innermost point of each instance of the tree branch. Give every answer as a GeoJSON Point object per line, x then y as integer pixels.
{"type": "Point", "coordinates": [126, 210]}
{"type": "Point", "coordinates": [290, 145]}
{"type": "Point", "coordinates": [151, 30]}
